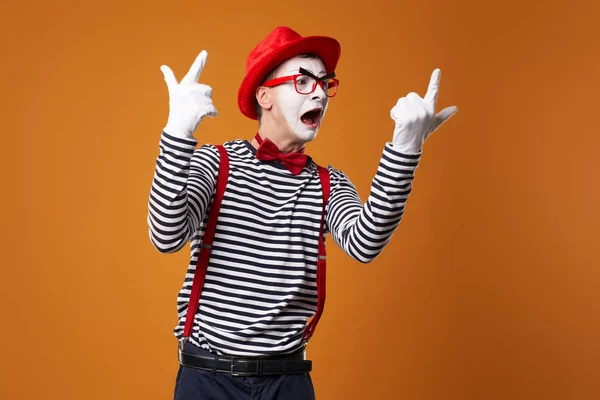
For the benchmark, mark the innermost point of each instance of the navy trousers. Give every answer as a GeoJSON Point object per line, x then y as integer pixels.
{"type": "Point", "coordinates": [199, 384]}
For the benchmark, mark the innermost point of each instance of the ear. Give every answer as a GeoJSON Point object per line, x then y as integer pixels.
{"type": "Point", "coordinates": [263, 97]}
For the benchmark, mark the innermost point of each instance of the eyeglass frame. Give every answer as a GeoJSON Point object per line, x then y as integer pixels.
{"type": "Point", "coordinates": [303, 72]}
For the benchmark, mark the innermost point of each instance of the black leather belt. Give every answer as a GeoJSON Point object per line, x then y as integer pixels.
{"type": "Point", "coordinates": [244, 366]}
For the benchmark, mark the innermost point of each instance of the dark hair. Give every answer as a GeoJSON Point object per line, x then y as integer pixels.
{"type": "Point", "coordinates": [269, 77]}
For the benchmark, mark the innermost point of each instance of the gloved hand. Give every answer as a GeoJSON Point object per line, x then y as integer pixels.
{"type": "Point", "coordinates": [416, 119]}
{"type": "Point", "coordinates": [189, 101]}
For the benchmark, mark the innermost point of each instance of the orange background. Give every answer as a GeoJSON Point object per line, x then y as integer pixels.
{"type": "Point", "coordinates": [488, 290]}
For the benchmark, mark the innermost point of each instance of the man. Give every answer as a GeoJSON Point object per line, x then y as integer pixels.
{"type": "Point", "coordinates": [260, 288]}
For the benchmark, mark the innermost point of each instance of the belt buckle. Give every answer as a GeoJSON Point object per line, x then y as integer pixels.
{"type": "Point", "coordinates": [233, 373]}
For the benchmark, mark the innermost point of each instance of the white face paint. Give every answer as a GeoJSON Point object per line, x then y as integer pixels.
{"type": "Point", "coordinates": [291, 105]}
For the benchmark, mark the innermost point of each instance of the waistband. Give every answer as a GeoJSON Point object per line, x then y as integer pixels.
{"type": "Point", "coordinates": [193, 356]}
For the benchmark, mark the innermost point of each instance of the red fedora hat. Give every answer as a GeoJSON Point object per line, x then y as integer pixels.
{"type": "Point", "coordinates": [279, 45]}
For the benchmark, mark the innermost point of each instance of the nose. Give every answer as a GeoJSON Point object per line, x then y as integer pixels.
{"type": "Point", "coordinates": [319, 94]}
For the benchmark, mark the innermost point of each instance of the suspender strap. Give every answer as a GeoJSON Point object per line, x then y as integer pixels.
{"type": "Point", "coordinates": [205, 250]}
{"type": "Point", "coordinates": [321, 260]}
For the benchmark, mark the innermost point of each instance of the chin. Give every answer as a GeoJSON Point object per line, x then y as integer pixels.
{"type": "Point", "coordinates": [307, 135]}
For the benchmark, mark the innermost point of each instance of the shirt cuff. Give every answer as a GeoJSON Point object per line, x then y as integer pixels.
{"type": "Point", "coordinates": [402, 153]}
{"type": "Point", "coordinates": [178, 144]}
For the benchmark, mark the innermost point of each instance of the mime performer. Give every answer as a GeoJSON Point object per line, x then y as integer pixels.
{"type": "Point", "coordinates": [262, 270]}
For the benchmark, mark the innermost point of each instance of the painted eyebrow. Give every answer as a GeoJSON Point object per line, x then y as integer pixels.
{"type": "Point", "coordinates": [293, 70]}
{"type": "Point", "coordinates": [305, 71]}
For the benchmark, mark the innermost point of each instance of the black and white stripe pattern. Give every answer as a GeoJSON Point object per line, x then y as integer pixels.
{"type": "Point", "coordinates": [260, 287]}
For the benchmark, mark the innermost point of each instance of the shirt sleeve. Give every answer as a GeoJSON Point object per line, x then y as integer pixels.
{"type": "Point", "coordinates": [182, 189]}
{"type": "Point", "coordinates": [363, 230]}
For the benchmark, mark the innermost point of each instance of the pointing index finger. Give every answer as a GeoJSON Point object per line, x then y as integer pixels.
{"type": "Point", "coordinates": [434, 83]}
{"type": "Point", "coordinates": [196, 69]}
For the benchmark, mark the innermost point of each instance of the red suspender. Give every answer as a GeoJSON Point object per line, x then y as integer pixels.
{"type": "Point", "coordinates": [206, 247]}
{"type": "Point", "coordinates": [321, 271]}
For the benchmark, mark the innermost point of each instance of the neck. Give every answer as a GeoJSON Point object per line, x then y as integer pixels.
{"type": "Point", "coordinates": [285, 142]}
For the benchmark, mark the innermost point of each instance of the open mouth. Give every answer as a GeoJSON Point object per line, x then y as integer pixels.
{"type": "Point", "coordinates": [312, 118]}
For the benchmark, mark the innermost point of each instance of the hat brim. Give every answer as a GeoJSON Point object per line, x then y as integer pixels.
{"type": "Point", "coordinates": [326, 48]}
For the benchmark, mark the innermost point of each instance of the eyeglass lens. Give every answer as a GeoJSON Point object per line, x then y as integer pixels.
{"type": "Point", "coordinates": [305, 84]}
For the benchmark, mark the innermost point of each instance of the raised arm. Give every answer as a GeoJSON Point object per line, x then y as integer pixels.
{"type": "Point", "coordinates": [184, 178]}
{"type": "Point", "coordinates": [363, 230]}
{"type": "Point", "coordinates": [183, 186]}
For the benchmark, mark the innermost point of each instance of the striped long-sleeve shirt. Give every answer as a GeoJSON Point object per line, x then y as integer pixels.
{"type": "Point", "coordinates": [260, 286]}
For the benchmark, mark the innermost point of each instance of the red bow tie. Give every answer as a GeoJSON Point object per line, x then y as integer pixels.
{"type": "Point", "coordinates": [268, 151]}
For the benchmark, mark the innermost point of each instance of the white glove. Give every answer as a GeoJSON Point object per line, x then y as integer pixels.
{"type": "Point", "coordinates": [416, 119]}
{"type": "Point", "coordinates": [189, 101]}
